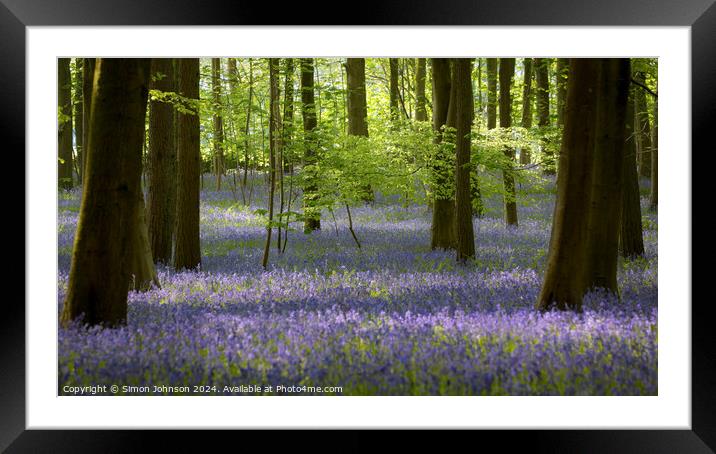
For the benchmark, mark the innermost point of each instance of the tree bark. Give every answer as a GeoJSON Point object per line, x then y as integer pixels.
{"type": "Point", "coordinates": [218, 121]}
{"type": "Point", "coordinates": [312, 212]}
{"type": "Point", "coordinates": [507, 71]}
{"type": "Point", "coordinates": [462, 87]}
{"type": "Point", "coordinates": [542, 79]}
{"type": "Point", "coordinates": [443, 234]}
{"type": "Point", "coordinates": [274, 147]}
{"type": "Point", "coordinates": [526, 106]}
{"type": "Point", "coordinates": [491, 93]}
{"type": "Point", "coordinates": [358, 108]}
{"type": "Point", "coordinates": [394, 100]}
{"type": "Point", "coordinates": [286, 137]}
{"type": "Point", "coordinates": [421, 113]}
{"type": "Point", "coordinates": [103, 250]}
{"type": "Point", "coordinates": [583, 245]}
{"type": "Point", "coordinates": [563, 285]}
{"type": "Point", "coordinates": [631, 236]}
{"type": "Point", "coordinates": [604, 209]}
{"type": "Point", "coordinates": [162, 190]}
{"type": "Point", "coordinates": [187, 254]}
{"type": "Point", "coordinates": [64, 130]}
{"type": "Point", "coordinates": [88, 65]}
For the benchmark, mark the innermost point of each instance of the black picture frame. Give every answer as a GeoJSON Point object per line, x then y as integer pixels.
{"type": "Point", "coordinates": [700, 15]}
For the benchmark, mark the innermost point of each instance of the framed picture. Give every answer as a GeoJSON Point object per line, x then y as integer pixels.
{"type": "Point", "coordinates": [671, 412]}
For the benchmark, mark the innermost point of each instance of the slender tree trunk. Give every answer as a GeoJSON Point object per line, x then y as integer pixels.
{"type": "Point", "coordinates": [631, 236]}
{"type": "Point", "coordinates": [443, 234]}
{"type": "Point", "coordinates": [507, 71]}
{"type": "Point", "coordinates": [583, 246]}
{"type": "Point", "coordinates": [103, 250]}
{"type": "Point", "coordinates": [526, 106]}
{"type": "Point", "coordinates": [462, 88]}
{"type": "Point", "coordinates": [187, 254]}
{"type": "Point", "coordinates": [162, 191]}
{"type": "Point", "coordinates": [643, 128]}
{"type": "Point", "coordinates": [247, 143]}
{"type": "Point", "coordinates": [394, 101]}
{"type": "Point", "coordinates": [78, 118]}
{"type": "Point", "coordinates": [358, 109]}
{"type": "Point", "coordinates": [286, 137]}
{"type": "Point", "coordinates": [421, 113]}
{"type": "Point", "coordinates": [218, 121]}
{"type": "Point", "coordinates": [64, 131]}
{"type": "Point", "coordinates": [479, 88]}
{"type": "Point", "coordinates": [491, 93]}
{"type": "Point", "coordinates": [654, 195]}
{"type": "Point", "coordinates": [542, 79]}
{"type": "Point", "coordinates": [562, 77]}
{"type": "Point", "coordinates": [312, 213]}
{"type": "Point", "coordinates": [88, 65]}
{"type": "Point", "coordinates": [274, 146]}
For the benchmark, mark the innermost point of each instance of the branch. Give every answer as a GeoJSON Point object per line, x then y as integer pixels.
{"type": "Point", "coordinates": [647, 89]}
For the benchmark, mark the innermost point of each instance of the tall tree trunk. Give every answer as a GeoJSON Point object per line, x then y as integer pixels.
{"type": "Point", "coordinates": [358, 108]}
{"type": "Point", "coordinates": [247, 142]}
{"type": "Point", "coordinates": [64, 130]}
{"type": "Point", "coordinates": [491, 93]}
{"type": "Point", "coordinates": [562, 77]}
{"type": "Point", "coordinates": [583, 246]}
{"type": "Point", "coordinates": [421, 113]}
{"type": "Point", "coordinates": [88, 65]}
{"type": "Point", "coordinates": [218, 121]}
{"type": "Point", "coordinates": [507, 71]}
{"type": "Point", "coordinates": [274, 147]}
{"type": "Point", "coordinates": [526, 106]}
{"type": "Point", "coordinates": [394, 95]}
{"type": "Point", "coordinates": [78, 117]}
{"type": "Point", "coordinates": [542, 79]}
{"type": "Point", "coordinates": [462, 88]}
{"type": "Point", "coordinates": [604, 209]}
{"type": "Point", "coordinates": [312, 212]}
{"type": "Point", "coordinates": [654, 194]}
{"type": "Point", "coordinates": [443, 234]}
{"type": "Point", "coordinates": [162, 191]}
{"type": "Point", "coordinates": [643, 127]}
{"type": "Point", "coordinates": [187, 254]}
{"type": "Point", "coordinates": [631, 236]}
{"type": "Point", "coordinates": [103, 249]}
{"type": "Point", "coordinates": [286, 137]}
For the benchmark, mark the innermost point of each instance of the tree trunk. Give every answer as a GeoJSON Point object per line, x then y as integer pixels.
{"type": "Point", "coordinates": [526, 106]}
{"type": "Point", "coordinates": [162, 190]}
{"type": "Point", "coordinates": [563, 285]}
{"type": "Point", "coordinates": [286, 137]}
{"type": "Point", "coordinates": [507, 71]}
{"type": "Point", "coordinates": [78, 117]}
{"type": "Point", "coordinates": [312, 212]}
{"type": "Point", "coordinates": [64, 130]}
{"type": "Point", "coordinates": [421, 113]}
{"type": "Point", "coordinates": [143, 275]}
{"type": "Point", "coordinates": [274, 147]}
{"type": "Point", "coordinates": [394, 101]}
{"type": "Point", "coordinates": [631, 236]}
{"type": "Point", "coordinates": [562, 77]}
{"type": "Point", "coordinates": [88, 65]}
{"type": "Point", "coordinates": [643, 128]}
{"type": "Point", "coordinates": [218, 121]}
{"type": "Point", "coordinates": [462, 89]}
{"type": "Point", "coordinates": [103, 250]}
{"type": "Point", "coordinates": [583, 245]}
{"type": "Point", "coordinates": [604, 209]}
{"type": "Point", "coordinates": [654, 195]}
{"type": "Point", "coordinates": [542, 79]}
{"type": "Point", "coordinates": [491, 93]}
{"type": "Point", "coordinates": [443, 234]}
{"type": "Point", "coordinates": [187, 254]}
{"type": "Point", "coordinates": [358, 108]}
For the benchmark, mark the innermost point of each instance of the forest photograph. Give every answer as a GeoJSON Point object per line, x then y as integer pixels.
{"type": "Point", "coordinates": [336, 226]}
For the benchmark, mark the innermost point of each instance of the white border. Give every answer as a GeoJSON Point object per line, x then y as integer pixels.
{"type": "Point", "coordinates": [670, 409]}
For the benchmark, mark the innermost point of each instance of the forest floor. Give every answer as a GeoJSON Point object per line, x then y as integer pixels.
{"type": "Point", "coordinates": [391, 318]}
